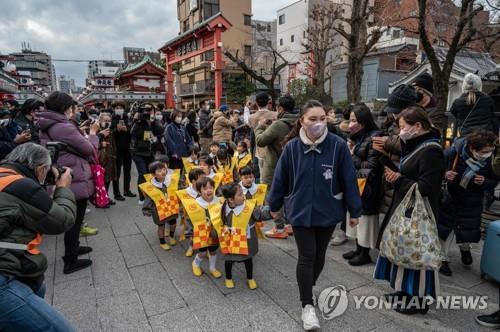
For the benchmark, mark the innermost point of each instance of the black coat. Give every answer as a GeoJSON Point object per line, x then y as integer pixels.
{"type": "Point", "coordinates": [7, 144]}
{"type": "Point", "coordinates": [206, 124]}
{"type": "Point", "coordinates": [481, 116]}
{"type": "Point", "coordinates": [366, 162]}
{"type": "Point", "coordinates": [122, 138]}
{"type": "Point", "coordinates": [426, 168]}
{"type": "Point", "coordinates": [462, 213]}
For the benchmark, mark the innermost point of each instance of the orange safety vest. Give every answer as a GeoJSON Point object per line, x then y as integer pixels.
{"type": "Point", "coordinates": [166, 205]}
{"type": "Point", "coordinates": [32, 246]}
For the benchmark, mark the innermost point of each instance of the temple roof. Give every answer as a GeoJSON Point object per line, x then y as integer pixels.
{"type": "Point", "coordinates": [134, 67]}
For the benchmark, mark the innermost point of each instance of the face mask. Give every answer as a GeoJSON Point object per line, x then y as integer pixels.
{"type": "Point", "coordinates": [159, 117]}
{"type": "Point", "coordinates": [482, 157]}
{"type": "Point", "coordinates": [354, 127]}
{"type": "Point", "coordinates": [4, 122]}
{"type": "Point", "coordinates": [178, 119]}
{"type": "Point", "coordinates": [105, 125]}
{"type": "Point", "coordinates": [406, 134]}
{"type": "Point", "coordinates": [316, 130]}
{"type": "Point", "coordinates": [119, 112]}
{"type": "Point", "coordinates": [78, 116]}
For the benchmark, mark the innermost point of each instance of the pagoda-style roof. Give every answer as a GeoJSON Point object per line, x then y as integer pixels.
{"type": "Point", "coordinates": [135, 68]}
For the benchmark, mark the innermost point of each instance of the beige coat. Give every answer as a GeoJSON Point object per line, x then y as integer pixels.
{"type": "Point", "coordinates": [223, 128]}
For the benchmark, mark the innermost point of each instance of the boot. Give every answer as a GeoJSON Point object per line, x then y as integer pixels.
{"type": "Point", "coordinates": [77, 265]}
{"type": "Point", "coordinates": [353, 253]}
{"type": "Point", "coordinates": [466, 257]}
{"type": "Point", "coordinates": [445, 269]}
{"type": "Point", "coordinates": [362, 259]}
{"type": "Point", "coordinates": [84, 250]}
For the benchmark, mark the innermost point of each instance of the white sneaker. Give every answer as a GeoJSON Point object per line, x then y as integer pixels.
{"type": "Point", "coordinates": [141, 202]}
{"type": "Point", "coordinates": [339, 239]}
{"type": "Point", "coordinates": [309, 318]}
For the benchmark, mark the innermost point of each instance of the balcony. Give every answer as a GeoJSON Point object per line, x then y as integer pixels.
{"type": "Point", "coordinates": [201, 87]}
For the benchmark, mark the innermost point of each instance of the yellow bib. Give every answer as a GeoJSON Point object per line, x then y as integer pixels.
{"type": "Point", "coordinates": [233, 240]}
{"type": "Point", "coordinates": [167, 203]}
{"type": "Point", "coordinates": [260, 195]}
{"type": "Point", "coordinates": [188, 165]}
{"type": "Point", "coordinates": [243, 162]}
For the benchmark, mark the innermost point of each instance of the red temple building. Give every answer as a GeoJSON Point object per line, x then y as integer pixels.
{"type": "Point", "coordinates": [144, 76]}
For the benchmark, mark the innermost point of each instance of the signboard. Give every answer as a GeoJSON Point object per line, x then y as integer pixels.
{"type": "Point", "coordinates": [187, 47]}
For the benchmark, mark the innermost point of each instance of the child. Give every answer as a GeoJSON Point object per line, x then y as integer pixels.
{"type": "Point", "coordinates": [214, 149]}
{"type": "Point", "coordinates": [235, 224]}
{"type": "Point", "coordinates": [187, 197]}
{"type": "Point", "coordinates": [204, 238]}
{"type": "Point", "coordinates": [161, 202]}
{"type": "Point", "coordinates": [193, 160]}
{"type": "Point", "coordinates": [251, 190]}
{"type": "Point", "coordinates": [244, 157]}
{"type": "Point", "coordinates": [208, 167]}
{"type": "Point", "coordinates": [226, 166]}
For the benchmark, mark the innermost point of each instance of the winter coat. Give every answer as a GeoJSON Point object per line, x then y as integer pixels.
{"type": "Point", "coordinates": [271, 139]}
{"type": "Point", "coordinates": [177, 140]}
{"type": "Point", "coordinates": [426, 168]}
{"type": "Point", "coordinates": [142, 138]}
{"type": "Point", "coordinates": [254, 120]}
{"type": "Point", "coordinates": [192, 129]}
{"type": "Point", "coordinates": [107, 156]}
{"type": "Point", "coordinates": [206, 124]}
{"type": "Point", "coordinates": [122, 138]}
{"type": "Point", "coordinates": [438, 118]}
{"type": "Point", "coordinates": [56, 127]}
{"type": "Point", "coordinates": [223, 128]}
{"type": "Point", "coordinates": [366, 162]}
{"type": "Point", "coordinates": [24, 122]}
{"type": "Point", "coordinates": [7, 143]}
{"type": "Point", "coordinates": [26, 209]}
{"type": "Point", "coordinates": [315, 189]}
{"type": "Point", "coordinates": [462, 213]}
{"type": "Point", "coordinates": [482, 116]}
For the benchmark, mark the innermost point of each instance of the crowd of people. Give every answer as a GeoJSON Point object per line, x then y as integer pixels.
{"type": "Point", "coordinates": [317, 172]}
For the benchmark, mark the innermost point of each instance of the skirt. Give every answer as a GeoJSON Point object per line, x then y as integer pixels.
{"type": "Point", "coordinates": [418, 283]}
{"type": "Point", "coordinates": [366, 232]}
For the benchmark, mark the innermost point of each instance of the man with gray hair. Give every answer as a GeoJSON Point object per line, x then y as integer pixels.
{"type": "Point", "coordinates": [26, 213]}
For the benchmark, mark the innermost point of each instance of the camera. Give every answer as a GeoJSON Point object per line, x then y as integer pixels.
{"type": "Point", "coordinates": [54, 149]}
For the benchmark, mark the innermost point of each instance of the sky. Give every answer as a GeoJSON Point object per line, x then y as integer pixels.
{"type": "Point", "coordinates": [95, 29]}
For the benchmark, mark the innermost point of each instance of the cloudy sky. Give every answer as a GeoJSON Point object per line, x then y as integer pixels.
{"type": "Point", "coordinates": [95, 29]}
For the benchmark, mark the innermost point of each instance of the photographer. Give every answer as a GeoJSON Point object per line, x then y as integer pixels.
{"type": "Point", "coordinates": [55, 125]}
{"type": "Point", "coordinates": [224, 123]}
{"type": "Point", "coordinates": [107, 150]}
{"type": "Point", "coordinates": [25, 118]}
{"type": "Point", "coordinates": [10, 134]}
{"type": "Point", "coordinates": [27, 212]}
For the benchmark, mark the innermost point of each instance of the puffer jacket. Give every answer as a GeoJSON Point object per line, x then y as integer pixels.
{"type": "Point", "coordinates": [26, 209]}
{"type": "Point", "coordinates": [223, 128]}
{"type": "Point", "coordinates": [80, 152]}
{"type": "Point", "coordinates": [271, 139]}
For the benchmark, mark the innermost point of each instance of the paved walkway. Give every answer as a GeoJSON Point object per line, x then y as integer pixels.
{"type": "Point", "coordinates": [133, 285]}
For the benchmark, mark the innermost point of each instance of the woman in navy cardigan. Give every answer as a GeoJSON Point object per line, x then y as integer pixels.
{"type": "Point", "coordinates": [315, 181]}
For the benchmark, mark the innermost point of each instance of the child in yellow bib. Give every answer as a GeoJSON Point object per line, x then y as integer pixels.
{"type": "Point", "coordinates": [227, 164]}
{"type": "Point", "coordinates": [243, 156]}
{"type": "Point", "coordinates": [235, 223]}
{"type": "Point", "coordinates": [188, 197]}
{"type": "Point", "coordinates": [208, 166]}
{"type": "Point", "coordinates": [204, 237]}
{"type": "Point", "coordinates": [193, 161]}
{"type": "Point", "coordinates": [161, 201]}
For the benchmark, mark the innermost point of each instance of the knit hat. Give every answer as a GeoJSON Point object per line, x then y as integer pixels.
{"type": "Point", "coordinates": [424, 81]}
{"type": "Point", "coordinates": [59, 102]}
{"type": "Point", "coordinates": [472, 82]}
{"type": "Point", "coordinates": [224, 108]}
{"type": "Point", "coordinates": [402, 96]}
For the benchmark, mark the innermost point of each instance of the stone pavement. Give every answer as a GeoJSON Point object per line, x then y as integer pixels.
{"type": "Point", "coordinates": [133, 285]}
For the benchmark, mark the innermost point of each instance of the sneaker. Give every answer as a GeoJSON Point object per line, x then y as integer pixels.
{"type": "Point", "coordinates": [339, 239]}
{"type": "Point", "coordinates": [128, 193]}
{"type": "Point", "coordinates": [79, 264]}
{"type": "Point", "coordinates": [86, 230]}
{"type": "Point", "coordinates": [189, 252]}
{"type": "Point", "coordinates": [84, 250]}
{"type": "Point", "coordinates": [196, 269]}
{"type": "Point", "coordinates": [141, 202]}
{"type": "Point", "coordinates": [165, 246]}
{"type": "Point", "coordinates": [216, 274]}
{"type": "Point", "coordinates": [87, 210]}
{"type": "Point", "coordinates": [289, 230]}
{"type": "Point", "coordinates": [309, 318]}
{"type": "Point", "coordinates": [229, 283]}
{"type": "Point", "coordinates": [276, 234]}
{"type": "Point", "coordinates": [172, 241]}
{"type": "Point", "coordinates": [492, 321]}
{"type": "Point", "coordinates": [252, 284]}
{"type": "Point", "coordinates": [466, 257]}
{"type": "Point", "coordinates": [445, 269]}
{"type": "Point", "coordinates": [119, 198]}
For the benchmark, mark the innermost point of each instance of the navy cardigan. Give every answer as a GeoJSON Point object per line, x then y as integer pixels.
{"type": "Point", "coordinates": [316, 189]}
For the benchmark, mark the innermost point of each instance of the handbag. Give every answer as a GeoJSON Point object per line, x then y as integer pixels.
{"type": "Point", "coordinates": [100, 198]}
{"type": "Point", "coordinates": [445, 194]}
{"type": "Point", "coordinates": [410, 239]}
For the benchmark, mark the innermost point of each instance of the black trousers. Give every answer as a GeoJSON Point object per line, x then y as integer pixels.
{"type": "Point", "coordinates": [123, 158]}
{"type": "Point", "coordinates": [72, 236]}
{"type": "Point", "coordinates": [228, 267]}
{"type": "Point", "coordinates": [311, 244]}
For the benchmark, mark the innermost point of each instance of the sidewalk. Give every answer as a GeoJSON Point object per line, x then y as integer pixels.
{"type": "Point", "coordinates": [133, 285]}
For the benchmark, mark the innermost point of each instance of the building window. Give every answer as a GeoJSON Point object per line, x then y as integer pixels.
{"type": "Point", "coordinates": [281, 41]}
{"type": "Point", "coordinates": [191, 79]}
{"type": "Point", "coordinates": [210, 8]}
{"type": "Point", "coordinates": [292, 38]}
{"type": "Point", "coordinates": [441, 43]}
{"type": "Point", "coordinates": [185, 25]}
{"type": "Point", "coordinates": [208, 56]}
{"type": "Point", "coordinates": [281, 19]}
{"type": "Point", "coordinates": [396, 34]}
{"type": "Point", "coordinates": [248, 50]}
{"type": "Point", "coordinates": [247, 20]}
{"type": "Point", "coordinates": [304, 34]}
{"type": "Point", "coordinates": [269, 28]}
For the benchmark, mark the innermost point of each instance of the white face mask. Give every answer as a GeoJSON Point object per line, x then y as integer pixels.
{"type": "Point", "coordinates": [482, 157]}
{"type": "Point", "coordinates": [159, 117]}
{"type": "Point", "coordinates": [119, 111]}
{"type": "Point", "coordinates": [407, 134]}
{"type": "Point", "coordinates": [316, 130]}
{"type": "Point", "coordinates": [178, 119]}
{"type": "Point", "coordinates": [4, 122]}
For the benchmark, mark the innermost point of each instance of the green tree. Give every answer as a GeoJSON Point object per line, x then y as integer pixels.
{"type": "Point", "coordinates": [237, 87]}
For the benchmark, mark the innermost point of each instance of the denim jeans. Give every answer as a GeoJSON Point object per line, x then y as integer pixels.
{"type": "Point", "coordinates": [142, 164]}
{"type": "Point", "coordinates": [23, 310]}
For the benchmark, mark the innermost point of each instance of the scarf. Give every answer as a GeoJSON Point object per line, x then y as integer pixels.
{"type": "Point", "coordinates": [313, 146]}
{"type": "Point", "coordinates": [473, 166]}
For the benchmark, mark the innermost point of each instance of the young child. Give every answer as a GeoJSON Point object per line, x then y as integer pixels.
{"type": "Point", "coordinates": [214, 149]}
{"type": "Point", "coordinates": [251, 190]}
{"type": "Point", "coordinates": [208, 166]}
{"type": "Point", "coordinates": [193, 160]}
{"type": "Point", "coordinates": [161, 202]}
{"type": "Point", "coordinates": [243, 156]}
{"type": "Point", "coordinates": [204, 237]}
{"type": "Point", "coordinates": [187, 197]}
{"type": "Point", "coordinates": [227, 164]}
{"type": "Point", "coordinates": [235, 223]}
